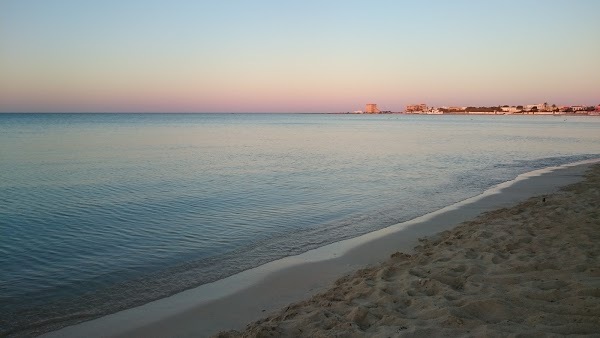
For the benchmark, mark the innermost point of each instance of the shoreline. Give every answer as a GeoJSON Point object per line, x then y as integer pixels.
{"type": "Point", "coordinates": [531, 269]}
{"type": "Point", "coordinates": [464, 114]}
{"type": "Point", "coordinates": [233, 302]}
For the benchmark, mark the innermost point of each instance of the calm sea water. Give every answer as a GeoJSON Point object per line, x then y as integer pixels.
{"type": "Point", "coordinates": [102, 212]}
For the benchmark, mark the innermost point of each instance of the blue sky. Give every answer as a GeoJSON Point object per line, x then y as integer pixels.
{"type": "Point", "coordinates": [295, 55]}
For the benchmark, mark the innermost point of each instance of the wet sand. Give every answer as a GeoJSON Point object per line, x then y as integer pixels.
{"type": "Point", "coordinates": [533, 268]}
{"type": "Point", "coordinates": [235, 301]}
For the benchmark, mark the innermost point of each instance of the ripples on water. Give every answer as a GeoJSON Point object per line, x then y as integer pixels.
{"type": "Point", "coordinates": [101, 212]}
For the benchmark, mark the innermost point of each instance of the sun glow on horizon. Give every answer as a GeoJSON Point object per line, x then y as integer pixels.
{"type": "Point", "coordinates": [299, 57]}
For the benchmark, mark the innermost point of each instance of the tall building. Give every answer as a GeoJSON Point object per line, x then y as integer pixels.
{"type": "Point", "coordinates": [372, 108]}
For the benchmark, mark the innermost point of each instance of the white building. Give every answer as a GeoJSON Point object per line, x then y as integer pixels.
{"type": "Point", "coordinates": [538, 107]}
{"type": "Point", "coordinates": [510, 109]}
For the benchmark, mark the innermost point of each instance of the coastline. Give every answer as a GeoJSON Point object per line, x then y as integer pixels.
{"type": "Point", "coordinates": [594, 114]}
{"type": "Point", "coordinates": [233, 302]}
{"type": "Point", "coordinates": [532, 269]}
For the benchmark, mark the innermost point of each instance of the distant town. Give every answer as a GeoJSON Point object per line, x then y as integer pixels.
{"type": "Point", "coordinates": [530, 109]}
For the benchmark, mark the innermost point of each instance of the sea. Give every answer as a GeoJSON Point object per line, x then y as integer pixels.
{"type": "Point", "coordinates": [104, 212]}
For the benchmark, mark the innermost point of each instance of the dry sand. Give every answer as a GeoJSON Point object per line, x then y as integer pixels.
{"type": "Point", "coordinates": [531, 269]}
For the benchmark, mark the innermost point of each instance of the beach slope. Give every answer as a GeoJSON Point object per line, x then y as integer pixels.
{"type": "Point", "coordinates": [533, 268]}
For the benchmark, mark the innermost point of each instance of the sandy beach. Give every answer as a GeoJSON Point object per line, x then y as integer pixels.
{"type": "Point", "coordinates": [533, 269]}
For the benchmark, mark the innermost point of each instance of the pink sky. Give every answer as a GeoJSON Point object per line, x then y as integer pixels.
{"type": "Point", "coordinates": [311, 57]}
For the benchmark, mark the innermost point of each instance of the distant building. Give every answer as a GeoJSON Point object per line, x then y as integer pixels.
{"type": "Point", "coordinates": [577, 108]}
{"type": "Point", "coordinates": [510, 109]}
{"type": "Point", "coordinates": [372, 108]}
{"type": "Point", "coordinates": [422, 107]}
{"type": "Point", "coordinates": [598, 107]}
{"type": "Point", "coordinates": [538, 107]}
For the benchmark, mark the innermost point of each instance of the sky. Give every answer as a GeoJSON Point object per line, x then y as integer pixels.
{"type": "Point", "coordinates": [295, 56]}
